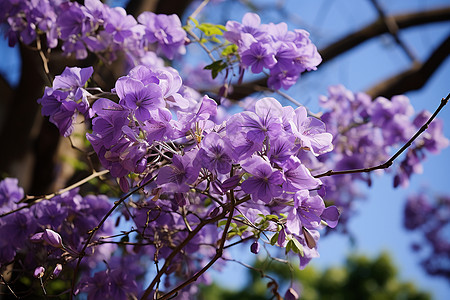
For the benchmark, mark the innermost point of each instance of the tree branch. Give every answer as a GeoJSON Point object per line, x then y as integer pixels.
{"type": "Point", "coordinates": [390, 161]}
{"type": "Point", "coordinates": [355, 39]}
{"type": "Point", "coordinates": [413, 78]}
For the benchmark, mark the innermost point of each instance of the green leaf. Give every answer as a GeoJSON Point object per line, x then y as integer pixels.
{"type": "Point", "coordinates": [289, 246]}
{"type": "Point", "coordinates": [215, 40]}
{"type": "Point", "coordinates": [222, 223]}
{"type": "Point", "coordinates": [298, 246]}
{"type": "Point", "coordinates": [274, 238]}
{"type": "Point", "coordinates": [230, 49]}
{"type": "Point", "coordinates": [271, 217]}
{"type": "Point", "coordinates": [221, 27]}
{"type": "Point", "coordinates": [216, 67]}
{"type": "Point", "coordinates": [193, 20]}
{"type": "Point", "coordinates": [210, 29]}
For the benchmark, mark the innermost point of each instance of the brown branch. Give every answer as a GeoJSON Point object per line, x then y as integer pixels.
{"type": "Point", "coordinates": [355, 39]}
{"type": "Point", "coordinates": [36, 199]}
{"type": "Point", "coordinates": [219, 253]}
{"type": "Point", "coordinates": [94, 230]}
{"type": "Point", "coordinates": [168, 7]}
{"type": "Point", "coordinates": [390, 161]}
{"type": "Point", "coordinates": [393, 30]}
{"type": "Point", "coordinates": [176, 250]}
{"type": "Point", "coordinates": [413, 78]}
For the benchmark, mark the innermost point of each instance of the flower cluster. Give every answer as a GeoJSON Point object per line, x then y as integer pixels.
{"type": "Point", "coordinates": [254, 155]}
{"type": "Point", "coordinates": [431, 219]}
{"type": "Point", "coordinates": [51, 234]}
{"type": "Point", "coordinates": [271, 46]}
{"type": "Point", "coordinates": [66, 97]}
{"type": "Point", "coordinates": [94, 27]}
{"type": "Point", "coordinates": [365, 132]}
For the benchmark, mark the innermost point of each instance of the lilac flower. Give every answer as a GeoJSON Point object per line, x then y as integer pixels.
{"type": "Point", "coordinates": [39, 272]}
{"type": "Point", "coordinates": [331, 216]}
{"type": "Point", "coordinates": [51, 214]}
{"type": "Point", "coordinates": [73, 21]}
{"type": "Point", "coordinates": [107, 128]}
{"type": "Point", "coordinates": [280, 150]}
{"type": "Point", "coordinates": [180, 173]}
{"type": "Point", "coordinates": [265, 121]}
{"type": "Point", "coordinates": [139, 98]}
{"type": "Point", "coordinates": [165, 30]}
{"type": "Point", "coordinates": [52, 238]}
{"type": "Point", "coordinates": [433, 138]}
{"type": "Point", "coordinates": [119, 24]}
{"type": "Point", "coordinates": [10, 191]}
{"type": "Point", "coordinates": [265, 182]}
{"type": "Point", "coordinates": [311, 132]}
{"type": "Point", "coordinates": [306, 213]}
{"type": "Point", "coordinates": [417, 211]}
{"type": "Point", "coordinates": [282, 79]}
{"type": "Point", "coordinates": [213, 154]}
{"type": "Point", "coordinates": [159, 125]}
{"type": "Point", "coordinates": [297, 176]}
{"type": "Point", "coordinates": [72, 78]}
{"type": "Point", "coordinates": [64, 117]}
{"type": "Point", "coordinates": [258, 57]}
{"type": "Point", "coordinates": [250, 24]}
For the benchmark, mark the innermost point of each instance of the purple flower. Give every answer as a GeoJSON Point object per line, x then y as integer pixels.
{"type": "Point", "coordinates": [72, 78]}
{"type": "Point", "coordinates": [331, 216]}
{"type": "Point", "coordinates": [52, 238]}
{"type": "Point", "coordinates": [107, 127]}
{"type": "Point", "coordinates": [140, 98]}
{"type": "Point", "coordinates": [311, 132]}
{"type": "Point", "coordinates": [213, 154]}
{"type": "Point", "coordinates": [250, 24]}
{"type": "Point", "coordinates": [280, 150]}
{"type": "Point", "coordinates": [180, 173]}
{"type": "Point", "coordinates": [306, 213]}
{"type": "Point", "coordinates": [265, 182]}
{"type": "Point", "coordinates": [165, 30]}
{"type": "Point", "coordinates": [297, 176]}
{"type": "Point", "coordinates": [119, 24]}
{"type": "Point", "coordinates": [10, 192]}
{"type": "Point", "coordinates": [258, 56]}
{"type": "Point", "coordinates": [39, 272]}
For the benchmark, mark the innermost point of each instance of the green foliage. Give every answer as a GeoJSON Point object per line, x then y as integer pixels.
{"type": "Point", "coordinates": [359, 278]}
{"type": "Point", "coordinates": [216, 67]}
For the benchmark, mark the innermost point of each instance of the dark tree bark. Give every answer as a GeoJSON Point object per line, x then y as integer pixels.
{"type": "Point", "coordinates": [413, 78]}
{"type": "Point", "coordinates": [355, 39]}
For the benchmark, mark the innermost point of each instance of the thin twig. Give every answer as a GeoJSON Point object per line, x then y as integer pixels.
{"type": "Point", "coordinates": [219, 253]}
{"type": "Point", "coordinates": [9, 288]}
{"type": "Point", "coordinates": [37, 199]}
{"type": "Point", "coordinates": [95, 229]}
{"type": "Point", "coordinates": [198, 9]}
{"type": "Point", "coordinates": [390, 161]}
{"type": "Point", "coordinates": [44, 60]}
{"type": "Point", "coordinates": [392, 26]}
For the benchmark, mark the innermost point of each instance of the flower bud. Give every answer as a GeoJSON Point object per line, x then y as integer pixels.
{"type": "Point", "coordinates": [37, 238]}
{"type": "Point", "coordinates": [57, 270]}
{"type": "Point", "coordinates": [291, 294]}
{"type": "Point", "coordinates": [254, 248]}
{"type": "Point", "coordinates": [39, 272]}
{"type": "Point", "coordinates": [52, 238]}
